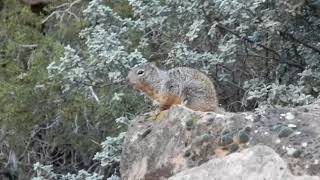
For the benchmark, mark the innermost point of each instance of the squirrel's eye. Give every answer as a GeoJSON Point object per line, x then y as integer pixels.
{"type": "Point", "coordinates": [140, 72]}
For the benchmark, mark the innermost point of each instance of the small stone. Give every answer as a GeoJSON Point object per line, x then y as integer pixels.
{"type": "Point", "coordinates": [304, 144]}
{"type": "Point", "coordinates": [276, 128]}
{"type": "Point", "coordinates": [285, 132]}
{"type": "Point", "coordinates": [250, 118]}
{"type": "Point", "coordinates": [257, 118]}
{"type": "Point", "coordinates": [205, 137]}
{"type": "Point", "coordinates": [297, 133]}
{"type": "Point", "coordinates": [210, 119]}
{"type": "Point", "coordinates": [243, 137]}
{"type": "Point", "coordinates": [297, 153]}
{"type": "Point", "coordinates": [289, 116]}
{"type": "Point", "coordinates": [225, 140]}
{"type": "Point", "coordinates": [278, 141]}
{"type": "Point", "coordinates": [233, 147]}
{"type": "Point", "coordinates": [293, 126]}
{"type": "Point", "coordinates": [219, 117]}
{"type": "Point", "coordinates": [189, 124]}
{"type": "Point", "coordinates": [225, 131]}
{"type": "Point", "coordinates": [145, 133]}
{"type": "Point", "coordinates": [201, 139]}
{"type": "Point", "coordinates": [187, 153]}
{"type": "Point", "coordinates": [247, 129]}
{"type": "Point", "coordinates": [290, 150]}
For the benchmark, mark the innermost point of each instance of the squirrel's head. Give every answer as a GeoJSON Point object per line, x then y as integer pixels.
{"type": "Point", "coordinates": [143, 75]}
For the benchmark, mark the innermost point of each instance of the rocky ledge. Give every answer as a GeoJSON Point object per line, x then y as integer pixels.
{"type": "Point", "coordinates": [273, 144]}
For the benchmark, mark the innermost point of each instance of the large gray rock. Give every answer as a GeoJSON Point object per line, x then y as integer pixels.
{"type": "Point", "coordinates": [256, 163]}
{"type": "Point", "coordinates": [183, 139]}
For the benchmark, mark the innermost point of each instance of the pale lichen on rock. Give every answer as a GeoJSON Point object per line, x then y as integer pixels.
{"type": "Point", "coordinates": [188, 142]}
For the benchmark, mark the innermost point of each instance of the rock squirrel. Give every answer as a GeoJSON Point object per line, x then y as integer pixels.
{"type": "Point", "coordinates": [181, 85]}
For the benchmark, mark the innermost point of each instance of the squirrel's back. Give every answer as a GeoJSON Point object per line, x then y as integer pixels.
{"type": "Point", "coordinates": [180, 85]}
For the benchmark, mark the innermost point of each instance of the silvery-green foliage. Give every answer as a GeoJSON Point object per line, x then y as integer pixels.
{"type": "Point", "coordinates": [70, 69]}
{"type": "Point", "coordinates": [114, 177]}
{"type": "Point", "coordinates": [111, 150]}
{"type": "Point", "coordinates": [182, 55]}
{"type": "Point", "coordinates": [183, 30]}
{"type": "Point", "coordinates": [194, 29]}
{"type": "Point", "coordinates": [110, 153]}
{"type": "Point", "coordinates": [44, 172]}
{"type": "Point", "coordinates": [276, 94]}
{"type": "Point", "coordinates": [97, 13]}
{"type": "Point", "coordinates": [234, 40]}
{"type": "Point", "coordinates": [184, 25]}
{"type": "Point", "coordinates": [107, 57]}
{"type": "Point", "coordinates": [81, 175]}
{"type": "Point", "coordinates": [122, 122]}
{"type": "Point", "coordinates": [190, 34]}
{"type": "Point", "coordinates": [151, 13]}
